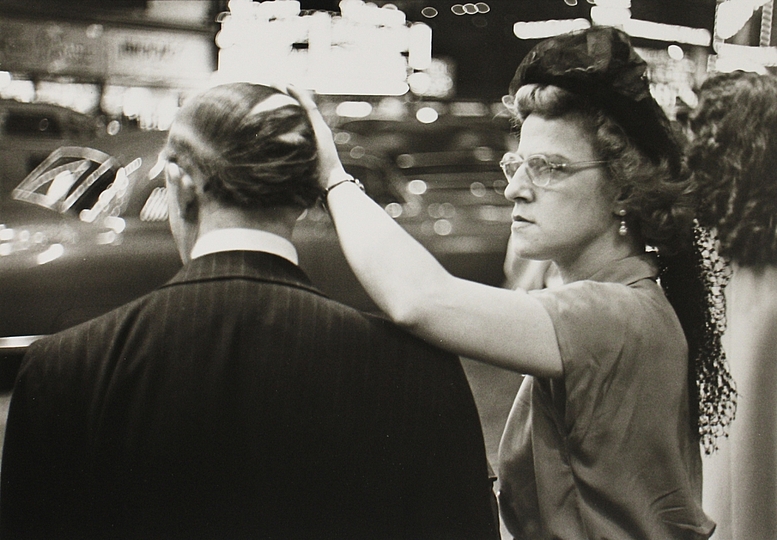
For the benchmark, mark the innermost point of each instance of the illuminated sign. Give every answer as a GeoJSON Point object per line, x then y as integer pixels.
{"type": "Point", "coordinates": [546, 29]}
{"type": "Point", "coordinates": [615, 13]}
{"type": "Point", "coordinates": [731, 57]}
{"type": "Point", "coordinates": [668, 32]}
{"type": "Point", "coordinates": [364, 50]}
{"type": "Point", "coordinates": [731, 15]}
{"type": "Point", "coordinates": [633, 27]}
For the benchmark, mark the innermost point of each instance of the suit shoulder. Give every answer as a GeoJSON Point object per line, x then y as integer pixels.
{"type": "Point", "coordinates": [92, 329]}
{"type": "Point", "coordinates": [390, 331]}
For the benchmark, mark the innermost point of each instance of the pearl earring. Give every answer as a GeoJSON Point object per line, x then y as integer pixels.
{"type": "Point", "coordinates": [623, 230]}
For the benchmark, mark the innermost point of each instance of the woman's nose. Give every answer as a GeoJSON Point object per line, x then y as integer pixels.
{"type": "Point", "coordinates": [519, 186]}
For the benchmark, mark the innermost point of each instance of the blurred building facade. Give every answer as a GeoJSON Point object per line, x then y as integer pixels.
{"type": "Point", "coordinates": [127, 59]}
{"type": "Point", "coordinates": [136, 59]}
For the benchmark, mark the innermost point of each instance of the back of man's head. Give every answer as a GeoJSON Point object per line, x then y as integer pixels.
{"type": "Point", "coordinates": [253, 145]}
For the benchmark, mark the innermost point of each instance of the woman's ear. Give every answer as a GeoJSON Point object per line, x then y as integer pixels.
{"type": "Point", "coordinates": [622, 195]}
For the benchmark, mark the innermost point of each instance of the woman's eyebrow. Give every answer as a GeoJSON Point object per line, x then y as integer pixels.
{"type": "Point", "coordinates": [555, 157]}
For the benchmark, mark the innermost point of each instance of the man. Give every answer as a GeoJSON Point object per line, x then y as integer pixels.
{"type": "Point", "coordinates": [237, 401]}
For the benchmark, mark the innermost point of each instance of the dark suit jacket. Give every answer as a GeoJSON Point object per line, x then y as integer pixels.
{"type": "Point", "coordinates": [237, 401]}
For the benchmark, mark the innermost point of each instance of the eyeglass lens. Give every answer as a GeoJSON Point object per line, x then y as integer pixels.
{"type": "Point", "coordinates": [535, 166]}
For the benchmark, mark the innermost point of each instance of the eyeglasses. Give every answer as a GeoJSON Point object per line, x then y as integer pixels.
{"type": "Point", "coordinates": [540, 170]}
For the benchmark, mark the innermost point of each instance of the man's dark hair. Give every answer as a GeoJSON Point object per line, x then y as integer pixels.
{"type": "Point", "coordinates": [253, 154]}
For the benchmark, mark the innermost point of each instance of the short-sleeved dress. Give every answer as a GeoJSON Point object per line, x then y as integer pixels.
{"type": "Point", "coordinates": [607, 451]}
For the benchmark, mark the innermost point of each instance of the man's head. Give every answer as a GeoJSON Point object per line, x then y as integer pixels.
{"type": "Point", "coordinates": [238, 153]}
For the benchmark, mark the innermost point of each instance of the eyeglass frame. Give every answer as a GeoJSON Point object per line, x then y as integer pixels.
{"type": "Point", "coordinates": [553, 167]}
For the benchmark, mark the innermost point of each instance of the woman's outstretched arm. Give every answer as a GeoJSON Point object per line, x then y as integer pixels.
{"type": "Point", "coordinates": [498, 326]}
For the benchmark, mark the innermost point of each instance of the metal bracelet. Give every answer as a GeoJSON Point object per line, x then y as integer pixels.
{"type": "Point", "coordinates": [343, 181]}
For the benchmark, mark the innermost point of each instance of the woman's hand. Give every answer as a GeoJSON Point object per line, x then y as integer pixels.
{"type": "Point", "coordinates": [330, 169]}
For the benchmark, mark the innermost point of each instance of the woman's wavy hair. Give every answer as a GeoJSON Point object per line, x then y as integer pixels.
{"type": "Point", "coordinates": [656, 194]}
{"type": "Point", "coordinates": [733, 159]}
{"type": "Point", "coordinates": [252, 155]}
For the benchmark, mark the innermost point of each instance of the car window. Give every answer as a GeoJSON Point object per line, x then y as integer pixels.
{"type": "Point", "coordinates": [81, 181]}
{"type": "Point", "coordinates": [30, 124]}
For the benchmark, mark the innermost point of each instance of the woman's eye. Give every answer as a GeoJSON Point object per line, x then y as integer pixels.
{"type": "Point", "coordinates": [538, 164]}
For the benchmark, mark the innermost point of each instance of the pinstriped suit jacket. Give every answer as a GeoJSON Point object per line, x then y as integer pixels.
{"type": "Point", "coordinates": [237, 401]}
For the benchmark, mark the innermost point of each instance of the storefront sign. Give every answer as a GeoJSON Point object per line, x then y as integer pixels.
{"type": "Point", "coordinates": [116, 55]}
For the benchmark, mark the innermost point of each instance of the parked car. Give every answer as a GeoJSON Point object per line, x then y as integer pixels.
{"type": "Point", "coordinates": [87, 231]}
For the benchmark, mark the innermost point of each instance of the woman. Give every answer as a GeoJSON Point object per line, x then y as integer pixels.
{"type": "Point", "coordinates": [733, 158]}
{"type": "Point", "coordinates": [602, 440]}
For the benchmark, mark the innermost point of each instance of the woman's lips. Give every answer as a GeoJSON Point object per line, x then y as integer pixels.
{"type": "Point", "coordinates": [520, 222]}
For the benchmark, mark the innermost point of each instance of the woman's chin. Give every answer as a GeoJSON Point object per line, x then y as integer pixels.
{"type": "Point", "coordinates": [521, 248]}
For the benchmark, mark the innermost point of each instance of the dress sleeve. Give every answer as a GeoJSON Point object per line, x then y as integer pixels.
{"type": "Point", "coordinates": [593, 328]}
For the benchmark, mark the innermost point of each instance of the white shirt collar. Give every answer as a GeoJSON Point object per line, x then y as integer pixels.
{"type": "Point", "coordinates": [237, 239]}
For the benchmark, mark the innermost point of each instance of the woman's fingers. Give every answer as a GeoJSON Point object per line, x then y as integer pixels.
{"type": "Point", "coordinates": [330, 167]}
{"type": "Point", "coordinates": [306, 100]}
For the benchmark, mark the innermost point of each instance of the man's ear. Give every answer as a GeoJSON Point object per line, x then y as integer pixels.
{"type": "Point", "coordinates": [185, 192]}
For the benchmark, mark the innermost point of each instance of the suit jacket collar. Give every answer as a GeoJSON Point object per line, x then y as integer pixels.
{"type": "Point", "coordinates": [253, 265]}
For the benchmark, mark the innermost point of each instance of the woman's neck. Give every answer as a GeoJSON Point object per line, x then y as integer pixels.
{"type": "Point", "coordinates": [595, 258]}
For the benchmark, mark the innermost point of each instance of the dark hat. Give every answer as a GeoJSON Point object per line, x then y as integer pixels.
{"type": "Point", "coordinates": [601, 64]}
